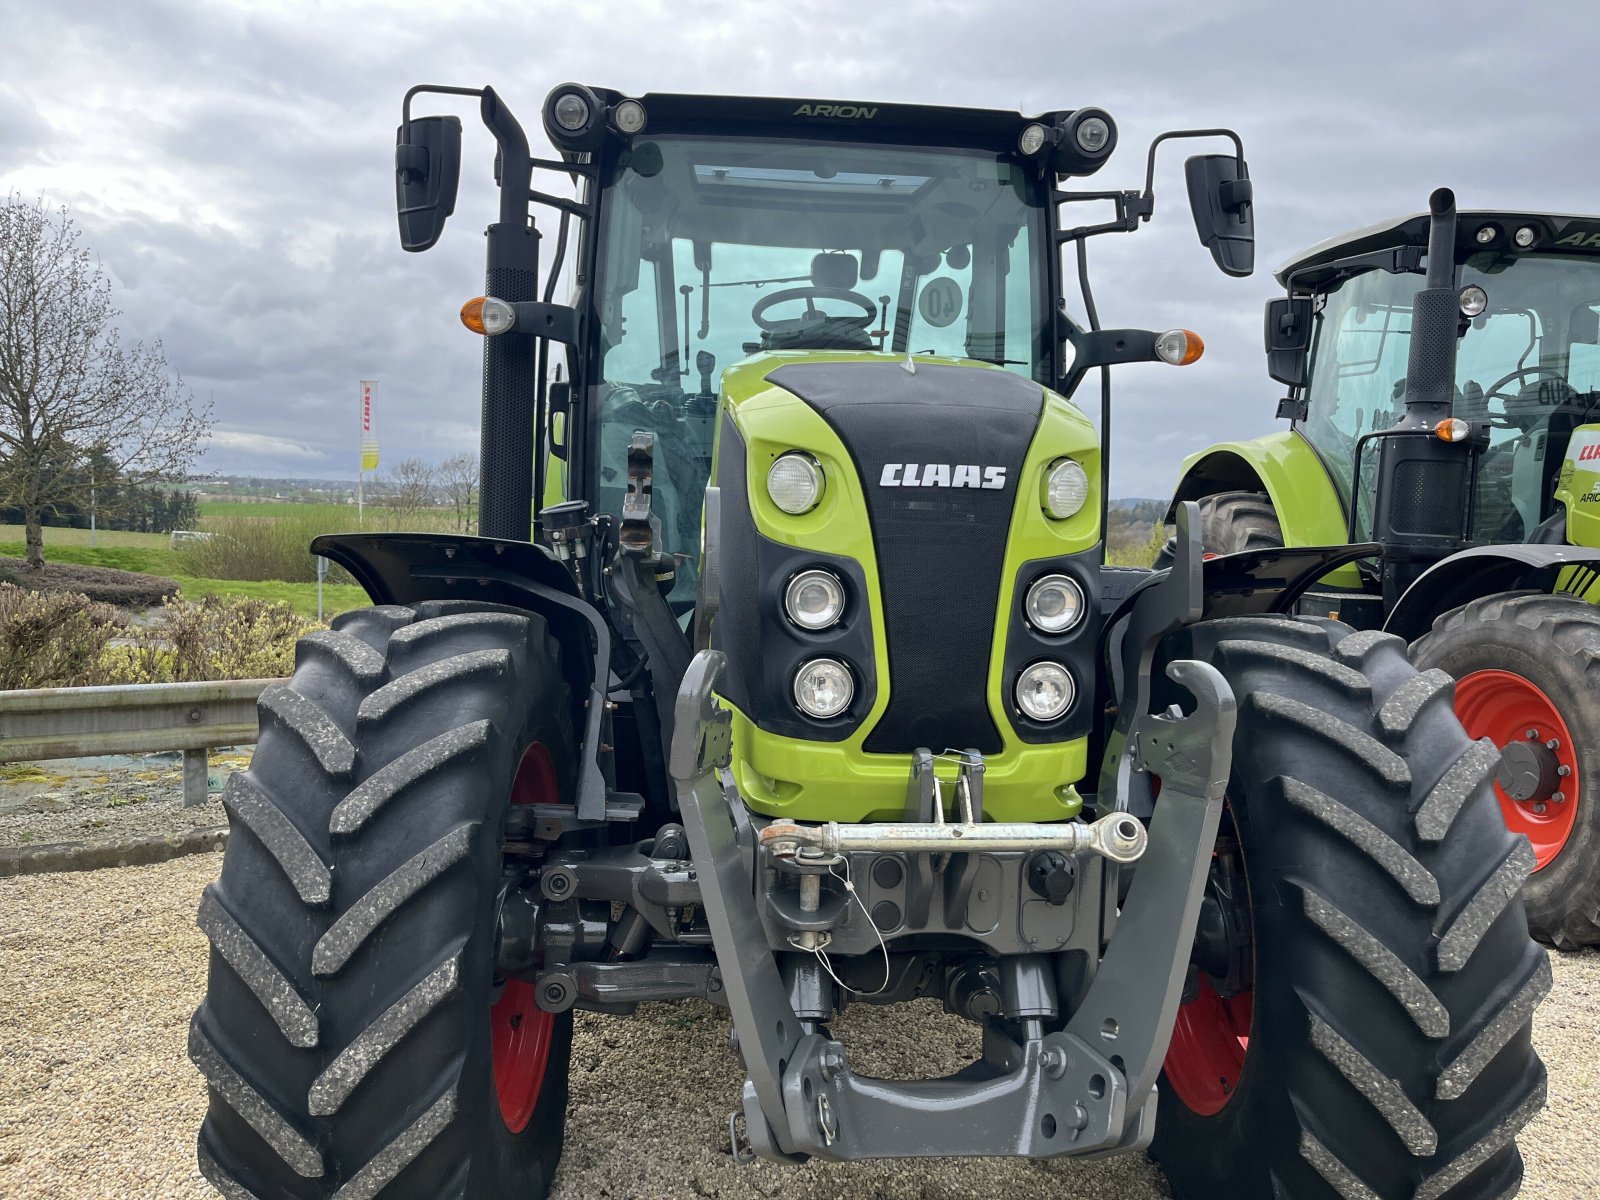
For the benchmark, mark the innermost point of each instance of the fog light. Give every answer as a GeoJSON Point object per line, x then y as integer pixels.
{"type": "Point", "coordinates": [823, 688]}
{"type": "Point", "coordinates": [794, 482]}
{"type": "Point", "coordinates": [1054, 604]}
{"type": "Point", "coordinates": [1066, 488]}
{"type": "Point", "coordinates": [1473, 300]}
{"type": "Point", "coordinates": [571, 112]}
{"type": "Point", "coordinates": [1045, 691]}
{"type": "Point", "coordinates": [814, 599]}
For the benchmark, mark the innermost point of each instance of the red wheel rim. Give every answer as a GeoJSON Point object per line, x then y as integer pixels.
{"type": "Point", "coordinates": [1504, 707]}
{"type": "Point", "coordinates": [521, 1030]}
{"type": "Point", "coordinates": [1209, 1044]}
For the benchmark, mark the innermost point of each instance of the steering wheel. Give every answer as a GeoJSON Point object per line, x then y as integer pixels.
{"type": "Point", "coordinates": [1522, 373]}
{"type": "Point", "coordinates": [813, 315]}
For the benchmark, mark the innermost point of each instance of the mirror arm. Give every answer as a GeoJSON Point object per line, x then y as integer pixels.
{"type": "Point", "coordinates": [436, 89]}
{"type": "Point", "coordinates": [575, 207]}
{"type": "Point", "coordinates": [1175, 134]}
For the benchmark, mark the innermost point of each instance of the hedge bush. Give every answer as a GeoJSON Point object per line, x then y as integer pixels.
{"type": "Point", "coordinates": [107, 585]}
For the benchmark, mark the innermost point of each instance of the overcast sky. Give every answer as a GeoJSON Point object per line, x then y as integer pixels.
{"type": "Point", "coordinates": [231, 163]}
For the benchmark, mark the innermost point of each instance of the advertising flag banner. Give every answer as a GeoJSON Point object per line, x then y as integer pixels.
{"type": "Point", "coordinates": [369, 437]}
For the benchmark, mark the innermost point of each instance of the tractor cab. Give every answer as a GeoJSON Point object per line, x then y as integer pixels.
{"type": "Point", "coordinates": [789, 238]}
{"type": "Point", "coordinates": [1527, 369]}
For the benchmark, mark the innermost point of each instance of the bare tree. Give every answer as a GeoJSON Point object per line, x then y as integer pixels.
{"type": "Point", "coordinates": [407, 488]}
{"type": "Point", "coordinates": [458, 478]}
{"type": "Point", "coordinates": [69, 389]}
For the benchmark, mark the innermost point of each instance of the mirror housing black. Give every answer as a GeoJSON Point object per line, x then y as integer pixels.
{"type": "Point", "coordinates": [1287, 333]}
{"type": "Point", "coordinates": [427, 171]}
{"type": "Point", "coordinates": [1221, 198]}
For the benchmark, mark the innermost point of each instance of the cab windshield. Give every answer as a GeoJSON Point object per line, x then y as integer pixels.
{"type": "Point", "coordinates": [1530, 365]}
{"type": "Point", "coordinates": [714, 249]}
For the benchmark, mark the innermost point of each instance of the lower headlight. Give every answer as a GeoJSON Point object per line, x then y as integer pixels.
{"type": "Point", "coordinates": [1054, 604]}
{"type": "Point", "coordinates": [814, 599]}
{"type": "Point", "coordinates": [1045, 691]}
{"type": "Point", "coordinates": [823, 688]}
{"type": "Point", "coordinates": [1066, 488]}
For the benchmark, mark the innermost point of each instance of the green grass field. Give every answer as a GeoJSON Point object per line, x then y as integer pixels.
{"type": "Point", "coordinates": [108, 538]}
{"type": "Point", "coordinates": [337, 516]}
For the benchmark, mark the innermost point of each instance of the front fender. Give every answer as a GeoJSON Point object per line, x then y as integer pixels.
{"type": "Point", "coordinates": [1481, 571]}
{"type": "Point", "coordinates": [1288, 470]}
{"type": "Point", "coordinates": [406, 568]}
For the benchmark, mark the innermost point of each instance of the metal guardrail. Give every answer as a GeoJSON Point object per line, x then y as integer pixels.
{"type": "Point", "coordinates": [141, 718]}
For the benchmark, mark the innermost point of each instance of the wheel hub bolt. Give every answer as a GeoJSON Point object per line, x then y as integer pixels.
{"type": "Point", "coordinates": [1563, 770]}
{"type": "Point", "coordinates": [1553, 744]}
{"type": "Point", "coordinates": [1533, 735]}
{"type": "Point", "coordinates": [1559, 797]}
{"type": "Point", "coordinates": [1539, 807]}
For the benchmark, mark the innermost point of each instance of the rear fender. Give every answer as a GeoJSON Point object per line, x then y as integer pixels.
{"type": "Point", "coordinates": [407, 568]}
{"type": "Point", "coordinates": [1288, 470]}
{"type": "Point", "coordinates": [1483, 571]}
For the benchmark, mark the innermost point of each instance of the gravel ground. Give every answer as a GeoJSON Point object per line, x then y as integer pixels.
{"type": "Point", "coordinates": [95, 800]}
{"type": "Point", "coordinates": [97, 1099]}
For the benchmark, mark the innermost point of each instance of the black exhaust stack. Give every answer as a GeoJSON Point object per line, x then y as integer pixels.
{"type": "Point", "coordinates": [1420, 508]}
{"type": "Point", "coordinates": [506, 452]}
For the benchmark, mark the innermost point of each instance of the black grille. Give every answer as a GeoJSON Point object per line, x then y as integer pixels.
{"type": "Point", "coordinates": [737, 629]}
{"type": "Point", "coordinates": [940, 550]}
{"type": "Point", "coordinates": [1428, 497]}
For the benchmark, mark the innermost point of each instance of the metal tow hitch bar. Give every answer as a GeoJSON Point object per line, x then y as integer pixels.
{"type": "Point", "coordinates": [1116, 836]}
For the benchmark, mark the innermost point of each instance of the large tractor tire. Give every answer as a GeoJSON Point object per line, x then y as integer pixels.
{"type": "Point", "coordinates": [1527, 667]}
{"type": "Point", "coordinates": [354, 1038]}
{"type": "Point", "coordinates": [1358, 1027]}
{"type": "Point", "coordinates": [1232, 522]}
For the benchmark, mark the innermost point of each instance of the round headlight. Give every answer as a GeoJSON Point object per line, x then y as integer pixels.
{"type": "Point", "coordinates": [795, 483]}
{"type": "Point", "coordinates": [571, 112]}
{"type": "Point", "coordinates": [1473, 300]}
{"type": "Point", "coordinates": [823, 688]}
{"type": "Point", "coordinates": [1045, 691]}
{"type": "Point", "coordinates": [1092, 135]}
{"type": "Point", "coordinates": [1066, 487]}
{"type": "Point", "coordinates": [628, 117]}
{"type": "Point", "coordinates": [1032, 139]}
{"type": "Point", "coordinates": [1054, 604]}
{"type": "Point", "coordinates": [814, 599]}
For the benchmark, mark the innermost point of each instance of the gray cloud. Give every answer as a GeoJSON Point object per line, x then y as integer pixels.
{"type": "Point", "coordinates": [231, 165]}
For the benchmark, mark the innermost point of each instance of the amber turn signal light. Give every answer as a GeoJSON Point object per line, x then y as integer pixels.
{"type": "Point", "coordinates": [1180, 347]}
{"type": "Point", "coordinates": [1452, 429]}
{"type": "Point", "coordinates": [472, 314]}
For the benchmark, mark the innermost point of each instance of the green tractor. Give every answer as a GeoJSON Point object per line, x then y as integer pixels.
{"type": "Point", "coordinates": [1444, 408]}
{"type": "Point", "coordinates": [806, 686]}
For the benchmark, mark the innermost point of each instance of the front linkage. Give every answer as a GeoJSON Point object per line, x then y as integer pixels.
{"type": "Point", "coordinates": [1088, 1087]}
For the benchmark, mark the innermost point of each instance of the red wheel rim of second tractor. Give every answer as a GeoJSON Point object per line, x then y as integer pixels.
{"type": "Point", "coordinates": [521, 1030]}
{"type": "Point", "coordinates": [1504, 707]}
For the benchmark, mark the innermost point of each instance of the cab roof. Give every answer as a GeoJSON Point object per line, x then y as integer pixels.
{"type": "Point", "coordinates": [1553, 233]}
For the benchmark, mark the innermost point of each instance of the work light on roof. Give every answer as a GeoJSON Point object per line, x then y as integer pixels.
{"type": "Point", "coordinates": [571, 112]}
{"type": "Point", "coordinates": [629, 117]}
{"type": "Point", "coordinates": [1033, 139]}
{"type": "Point", "coordinates": [1526, 236]}
{"type": "Point", "coordinates": [1092, 135]}
{"type": "Point", "coordinates": [1473, 300]}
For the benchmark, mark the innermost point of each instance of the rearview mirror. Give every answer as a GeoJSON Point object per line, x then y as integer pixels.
{"type": "Point", "coordinates": [1288, 338]}
{"type": "Point", "coordinates": [427, 169]}
{"type": "Point", "coordinates": [1220, 196]}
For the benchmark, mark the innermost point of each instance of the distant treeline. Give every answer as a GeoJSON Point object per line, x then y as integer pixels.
{"type": "Point", "coordinates": [117, 505]}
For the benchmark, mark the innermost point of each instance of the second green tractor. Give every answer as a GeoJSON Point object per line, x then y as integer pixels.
{"type": "Point", "coordinates": [1444, 409]}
